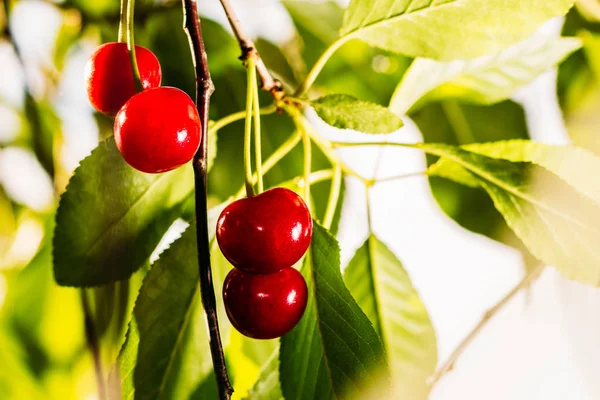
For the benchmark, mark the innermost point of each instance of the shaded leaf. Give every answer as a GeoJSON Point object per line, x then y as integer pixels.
{"type": "Point", "coordinates": [108, 210]}
{"type": "Point", "coordinates": [382, 288]}
{"type": "Point", "coordinates": [487, 79]}
{"type": "Point", "coordinates": [165, 308]}
{"type": "Point", "coordinates": [334, 351]}
{"type": "Point", "coordinates": [166, 353]}
{"type": "Point", "coordinates": [347, 112]}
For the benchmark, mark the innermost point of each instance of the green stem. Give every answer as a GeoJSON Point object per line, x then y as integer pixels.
{"type": "Point", "coordinates": [324, 145]}
{"type": "Point", "coordinates": [123, 22]}
{"type": "Point", "coordinates": [257, 133]}
{"type": "Point", "coordinates": [368, 205]}
{"type": "Point", "coordinates": [307, 145]}
{"type": "Point", "coordinates": [131, 46]}
{"type": "Point", "coordinates": [274, 158]}
{"type": "Point", "coordinates": [334, 195]}
{"type": "Point", "coordinates": [251, 77]}
{"type": "Point", "coordinates": [316, 69]}
{"type": "Point", "coordinates": [315, 177]}
{"type": "Point", "coordinates": [223, 122]}
{"type": "Point", "coordinates": [458, 122]}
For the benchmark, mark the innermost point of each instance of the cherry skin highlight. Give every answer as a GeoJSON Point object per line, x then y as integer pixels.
{"type": "Point", "coordinates": [265, 306]}
{"type": "Point", "coordinates": [265, 233]}
{"type": "Point", "coordinates": [109, 77]}
{"type": "Point", "coordinates": [158, 130]}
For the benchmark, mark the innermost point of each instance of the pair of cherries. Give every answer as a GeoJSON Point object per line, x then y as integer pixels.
{"type": "Point", "coordinates": [157, 129]}
{"type": "Point", "coordinates": [263, 237]}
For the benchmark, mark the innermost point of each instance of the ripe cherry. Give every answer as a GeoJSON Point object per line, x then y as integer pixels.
{"type": "Point", "coordinates": [265, 233]}
{"type": "Point", "coordinates": [109, 77]}
{"type": "Point", "coordinates": [265, 306]}
{"type": "Point", "coordinates": [158, 130]}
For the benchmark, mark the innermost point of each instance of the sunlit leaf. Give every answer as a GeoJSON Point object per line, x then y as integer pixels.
{"type": "Point", "coordinates": [362, 71]}
{"type": "Point", "coordinates": [381, 286]}
{"type": "Point", "coordinates": [16, 380]}
{"type": "Point", "coordinates": [447, 29]}
{"type": "Point", "coordinates": [567, 162]}
{"type": "Point", "coordinates": [556, 223]}
{"type": "Point", "coordinates": [454, 123]}
{"type": "Point", "coordinates": [487, 79]}
{"type": "Point", "coordinates": [334, 351]}
{"type": "Point", "coordinates": [267, 386]}
{"type": "Point", "coordinates": [346, 112]}
{"type": "Point", "coordinates": [108, 210]}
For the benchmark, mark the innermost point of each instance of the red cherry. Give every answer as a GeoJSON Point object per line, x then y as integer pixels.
{"type": "Point", "coordinates": [109, 77]}
{"type": "Point", "coordinates": [265, 233]}
{"type": "Point", "coordinates": [158, 130]}
{"type": "Point", "coordinates": [265, 306]}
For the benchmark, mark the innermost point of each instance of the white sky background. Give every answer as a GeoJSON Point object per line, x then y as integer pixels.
{"type": "Point", "coordinates": [543, 345]}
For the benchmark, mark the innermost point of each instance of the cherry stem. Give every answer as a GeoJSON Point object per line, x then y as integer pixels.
{"type": "Point", "coordinates": [257, 136]}
{"type": "Point", "coordinates": [334, 195]}
{"type": "Point", "coordinates": [307, 146]}
{"type": "Point", "coordinates": [251, 77]}
{"type": "Point", "coordinates": [131, 46]}
{"type": "Point", "coordinates": [274, 158]}
{"type": "Point", "coordinates": [231, 118]}
{"type": "Point", "coordinates": [122, 38]}
{"type": "Point", "coordinates": [204, 89]}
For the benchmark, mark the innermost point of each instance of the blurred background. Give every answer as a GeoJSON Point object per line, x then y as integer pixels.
{"type": "Point", "coordinates": [541, 346]}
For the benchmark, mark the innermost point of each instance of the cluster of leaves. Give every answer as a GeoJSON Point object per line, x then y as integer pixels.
{"type": "Point", "coordinates": [365, 332]}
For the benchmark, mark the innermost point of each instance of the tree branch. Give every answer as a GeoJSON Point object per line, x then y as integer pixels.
{"type": "Point", "coordinates": [204, 89]}
{"type": "Point", "coordinates": [267, 82]}
{"type": "Point", "coordinates": [529, 277]}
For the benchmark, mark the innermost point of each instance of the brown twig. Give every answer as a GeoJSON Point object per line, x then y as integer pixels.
{"type": "Point", "coordinates": [204, 89]}
{"type": "Point", "coordinates": [529, 277]}
{"type": "Point", "coordinates": [267, 82]}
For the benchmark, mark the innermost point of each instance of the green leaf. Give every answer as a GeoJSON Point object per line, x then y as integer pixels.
{"type": "Point", "coordinates": [360, 70]}
{"type": "Point", "coordinates": [487, 79]}
{"type": "Point", "coordinates": [267, 386]}
{"type": "Point", "coordinates": [346, 112]}
{"type": "Point", "coordinates": [16, 380]}
{"type": "Point", "coordinates": [334, 352]}
{"type": "Point", "coordinates": [164, 309]}
{"type": "Point", "coordinates": [556, 223]}
{"type": "Point", "coordinates": [166, 353]}
{"type": "Point", "coordinates": [454, 123]}
{"type": "Point", "coordinates": [44, 126]}
{"type": "Point", "coordinates": [381, 286]}
{"type": "Point", "coordinates": [245, 358]}
{"type": "Point", "coordinates": [108, 210]}
{"type": "Point", "coordinates": [566, 162]}
{"type": "Point", "coordinates": [447, 29]}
